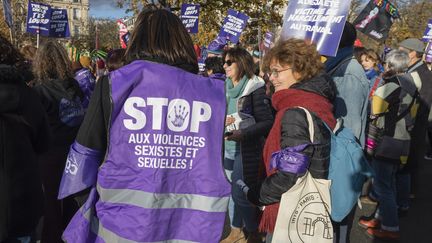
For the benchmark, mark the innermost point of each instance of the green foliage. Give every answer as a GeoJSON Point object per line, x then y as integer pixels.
{"type": "Point", "coordinates": [414, 17]}
{"type": "Point", "coordinates": [264, 14]}
{"type": "Point", "coordinates": [107, 34]}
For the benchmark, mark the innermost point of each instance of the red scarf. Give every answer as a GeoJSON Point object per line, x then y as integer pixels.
{"type": "Point", "coordinates": [282, 101]}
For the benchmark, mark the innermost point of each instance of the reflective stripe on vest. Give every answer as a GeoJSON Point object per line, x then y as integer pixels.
{"type": "Point", "coordinates": [163, 201]}
{"type": "Point", "coordinates": [108, 236]}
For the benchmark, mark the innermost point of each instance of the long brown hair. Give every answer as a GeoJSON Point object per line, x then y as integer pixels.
{"type": "Point", "coordinates": [159, 35]}
{"type": "Point", "coordinates": [52, 62]}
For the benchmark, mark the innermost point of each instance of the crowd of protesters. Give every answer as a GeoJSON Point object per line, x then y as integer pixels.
{"type": "Point", "coordinates": [63, 144]}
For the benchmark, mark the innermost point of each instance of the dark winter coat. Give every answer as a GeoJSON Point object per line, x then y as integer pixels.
{"type": "Point", "coordinates": [294, 131]}
{"type": "Point", "coordinates": [63, 102]}
{"type": "Point", "coordinates": [257, 104]}
{"type": "Point", "coordinates": [291, 129]}
{"type": "Point", "coordinates": [24, 133]}
{"type": "Point", "coordinates": [418, 144]}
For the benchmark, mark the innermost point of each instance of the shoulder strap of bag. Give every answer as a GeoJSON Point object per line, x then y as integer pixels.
{"type": "Point", "coordinates": [407, 110]}
{"type": "Point", "coordinates": [375, 86]}
{"type": "Point", "coordinates": [310, 123]}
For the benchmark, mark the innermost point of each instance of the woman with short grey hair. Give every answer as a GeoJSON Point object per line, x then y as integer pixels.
{"type": "Point", "coordinates": [393, 112]}
{"type": "Point", "coordinates": [397, 61]}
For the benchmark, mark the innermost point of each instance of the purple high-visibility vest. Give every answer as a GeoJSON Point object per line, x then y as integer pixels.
{"type": "Point", "coordinates": [162, 178]}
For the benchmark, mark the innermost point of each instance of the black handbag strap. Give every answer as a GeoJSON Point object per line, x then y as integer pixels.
{"type": "Point", "coordinates": [407, 110]}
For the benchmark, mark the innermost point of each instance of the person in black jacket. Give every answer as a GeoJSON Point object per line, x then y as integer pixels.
{"type": "Point", "coordinates": [24, 133]}
{"type": "Point", "coordinates": [249, 119]}
{"type": "Point", "coordinates": [406, 178]}
{"type": "Point", "coordinates": [296, 72]}
{"type": "Point", "coordinates": [62, 99]}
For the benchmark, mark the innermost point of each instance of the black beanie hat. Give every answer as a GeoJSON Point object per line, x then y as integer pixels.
{"type": "Point", "coordinates": [349, 35]}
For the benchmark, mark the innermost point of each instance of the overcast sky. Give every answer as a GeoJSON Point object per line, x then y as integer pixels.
{"type": "Point", "coordinates": [106, 9]}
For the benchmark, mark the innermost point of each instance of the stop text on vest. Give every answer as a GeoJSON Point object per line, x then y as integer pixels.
{"type": "Point", "coordinates": [179, 115]}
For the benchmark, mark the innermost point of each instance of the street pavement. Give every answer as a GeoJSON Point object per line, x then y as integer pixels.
{"type": "Point", "coordinates": [417, 225]}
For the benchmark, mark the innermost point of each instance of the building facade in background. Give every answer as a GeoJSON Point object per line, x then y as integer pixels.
{"type": "Point", "coordinates": [78, 14]}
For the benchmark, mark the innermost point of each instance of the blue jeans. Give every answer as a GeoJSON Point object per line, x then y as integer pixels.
{"type": "Point", "coordinates": [385, 189]}
{"type": "Point", "coordinates": [403, 185]}
{"type": "Point", "coordinates": [241, 211]}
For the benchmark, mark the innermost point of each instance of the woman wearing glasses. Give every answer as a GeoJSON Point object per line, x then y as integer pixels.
{"type": "Point", "coordinates": [249, 119]}
{"type": "Point", "coordinates": [296, 73]}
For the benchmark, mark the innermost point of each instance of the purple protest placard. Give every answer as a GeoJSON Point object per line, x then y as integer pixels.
{"type": "Point", "coordinates": [427, 35]}
{"type": "Point", "coordinates": [189, 17]}
{"type": "Point", "coordinates": [321, 22]}
{"type": "Point", "coordinates": [7, 11]}
{"type": "Point", "coordinates": [59, 26]}
{"type": "Point", "coordinates": [428, 52]}
{"type": "Point", "coordinates": [233, 25]}
{"type": "Point", "coordinates": [38, 18]}
{"type": "Point", "coordinates": [268, 39]}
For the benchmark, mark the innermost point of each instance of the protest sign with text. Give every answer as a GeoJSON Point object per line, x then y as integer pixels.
{"type": "Point", "coordinates": [189, 17]}
{"type": "Point", "coordinates": [427, 35]}
{"type": "Point", "coordinates": [321, 22]}
{"type": "Point", "coordinates": [428, 52]}
{"type": "Point", "coordinates": [59, 26]}
{"type": "Point", "coordinates": [233, 25]}
{"type": "Point", "coordinates": [376, 19]}
{"type": "Point", "coordinates": [38, 18]}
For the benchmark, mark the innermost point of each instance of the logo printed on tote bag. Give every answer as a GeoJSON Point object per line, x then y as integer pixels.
{"type": "Point", "coordinates": [307, 220]}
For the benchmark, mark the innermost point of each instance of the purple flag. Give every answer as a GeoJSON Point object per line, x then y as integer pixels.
{"type": "Point", "coordinates": [268, 40]}
{"type": "Point", "coordinates": [38, 18]}
{"type": "Point", "coordinates": [321, 22]}
{"type": "Point", "coordinates": [7, 11]}
{"type": "Point", "coordinates": [428, 52]}
{"type": "Point", "coordinates": [59, 26]}
{"type": "Point", "coordinates": [427, 36]}
{"type": "Point", "coordinates": [189, 17]}
{"type": "Point", "coordinates": [233, 25]}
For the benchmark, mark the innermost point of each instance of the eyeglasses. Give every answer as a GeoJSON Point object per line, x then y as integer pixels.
{"type": "Point", "coordinates": [229, 62]}
{"type": "Point", "coordinates": [275, 73]}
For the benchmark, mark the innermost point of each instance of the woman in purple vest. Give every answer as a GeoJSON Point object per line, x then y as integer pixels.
{"type": "Point", "coordinates": [150, 147]}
